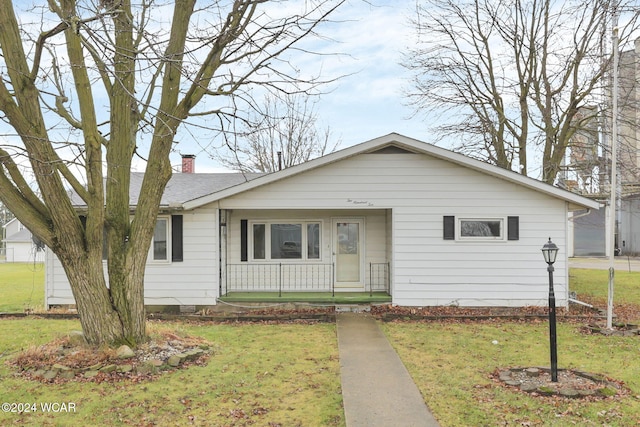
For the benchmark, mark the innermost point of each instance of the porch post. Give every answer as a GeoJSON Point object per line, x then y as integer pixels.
{"type": "Point", "coordinates": [370, 279]}
{"type": "Point", "coordinates": [333, 279]}
{"type": "Point", "coordinates": [222, 252]}
{"type": "Point", "coordinates": [280, 280]}
{"type": "Point", "coordinates": [388, 278]}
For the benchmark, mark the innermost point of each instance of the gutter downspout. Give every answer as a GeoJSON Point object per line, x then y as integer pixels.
{"type": "Point", "coordinates": [574, 217]}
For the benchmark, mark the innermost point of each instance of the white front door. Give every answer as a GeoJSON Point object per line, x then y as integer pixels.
{"type": "Point", "coordinates": [348, 248]}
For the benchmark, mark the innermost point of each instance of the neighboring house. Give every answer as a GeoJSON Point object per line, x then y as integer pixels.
{"type": "Point", "coordinates": [20, 245]}
{"type": "Point", "coordinates": [427, 225]}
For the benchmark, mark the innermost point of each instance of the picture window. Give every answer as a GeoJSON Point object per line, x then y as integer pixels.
{"type": "Point", "coordinates": [286, 240]}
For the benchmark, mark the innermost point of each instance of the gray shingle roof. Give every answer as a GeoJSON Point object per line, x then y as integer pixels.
{"type": "Point", "coordinates": [182, 187]}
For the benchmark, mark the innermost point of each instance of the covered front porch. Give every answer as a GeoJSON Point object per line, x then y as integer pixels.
{"type": "Point", "coordinates": [306, 255]}
{"type": "Point", "coordinates": [300, 282]}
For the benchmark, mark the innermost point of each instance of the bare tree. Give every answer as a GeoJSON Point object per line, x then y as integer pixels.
{"type": "Point", "coordinates": [511, 76]}
{"type": "Point", "coordinates": [86, 86]}
{"type": "Point", "coordinates": [282, 132]}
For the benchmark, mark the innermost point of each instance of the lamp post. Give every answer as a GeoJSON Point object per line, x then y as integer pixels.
{"type": "Point", "coordinates": [550, 252]}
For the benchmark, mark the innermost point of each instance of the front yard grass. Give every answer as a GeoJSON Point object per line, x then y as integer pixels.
{"type": "Point", "coordinates": [288, 374]}
{"type": "Point", "coordinates": [595, 283]}
{"type": "Point", "coordinates": [21, 287]}
{"type": "Point", "coordinates": [259, 374]}
{"type": "Point", "coordinates": [451, 363]}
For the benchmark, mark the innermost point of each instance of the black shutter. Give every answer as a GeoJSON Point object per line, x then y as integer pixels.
{"type": "Point", "coordinates": [449, 227]}
{"type": "Point", "coordinates": [243, 240]}
{"type": "Point", "coordinates": [513, 228]}
{"type": "Point", "coordinates": [176, 238]}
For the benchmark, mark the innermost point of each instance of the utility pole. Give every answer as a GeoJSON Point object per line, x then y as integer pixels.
{"type": "Point", "coordinates": [614, 164]}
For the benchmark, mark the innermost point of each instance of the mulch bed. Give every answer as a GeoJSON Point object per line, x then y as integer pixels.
{"type": "Point", "coordinates": [62, 360]}
{"type": "Point", "coordinates": [571, 384]}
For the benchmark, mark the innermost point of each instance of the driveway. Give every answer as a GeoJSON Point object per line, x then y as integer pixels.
{"type": "Point", "coordinates": [622, 263]}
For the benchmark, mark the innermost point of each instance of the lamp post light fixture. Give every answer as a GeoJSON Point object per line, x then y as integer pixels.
{"type": "Point", "coordinates": [550, 252]}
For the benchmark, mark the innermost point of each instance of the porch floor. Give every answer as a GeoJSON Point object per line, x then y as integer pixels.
{"type": "Point", "coordinates": [312, 297]}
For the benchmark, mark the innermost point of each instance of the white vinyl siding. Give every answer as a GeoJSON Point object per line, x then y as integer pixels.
{"type": "Point", "coordinates": [193, 281]}
{"type": "Point", "coordinates": [418, 191]}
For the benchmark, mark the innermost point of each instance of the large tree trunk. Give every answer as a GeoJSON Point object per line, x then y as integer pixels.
{"type": "Point", "coordinates": [101, 323]}
{"type": "Point", "coordinates": [106, 317]}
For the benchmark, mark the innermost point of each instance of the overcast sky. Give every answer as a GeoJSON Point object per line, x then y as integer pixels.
{"type": "Point", "coordinates": [368, 102]}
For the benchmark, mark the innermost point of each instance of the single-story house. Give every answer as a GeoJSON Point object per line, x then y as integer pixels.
{"type": "Point", "coordinates": [393, 214]}
{"type": "Point", "coordinates": [19, 245]}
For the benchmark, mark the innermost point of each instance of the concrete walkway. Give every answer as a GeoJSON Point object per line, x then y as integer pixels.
{"type": "Point", "coordinates": [377, 389]}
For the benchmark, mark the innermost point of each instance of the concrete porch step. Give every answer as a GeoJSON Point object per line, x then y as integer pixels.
{"type": "Point", "coordinates": [352, 308]}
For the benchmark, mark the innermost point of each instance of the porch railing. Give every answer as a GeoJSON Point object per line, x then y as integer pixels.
{"type": "Point", "coordinates": [280, 277]}
{"type": "Point", "coordinates": [379, 277]}
{"type": "Point", "coordinates": [298, 277]}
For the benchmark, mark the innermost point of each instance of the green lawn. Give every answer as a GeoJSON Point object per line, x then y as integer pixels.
{"type": "Point", "coordinates": [262, 375]}
{"type": "Point", "coordinates": [21, 287]}
{"type": "Point", "coordinates": [596, 283]}
{"type": "Point", "coordinates": [269, 375]}
{"type": "Point", "coordinates": [451, 364]}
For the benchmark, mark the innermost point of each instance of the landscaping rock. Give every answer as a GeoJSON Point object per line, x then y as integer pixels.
{"type": "Point", "coordinates": [156, 363]}
{"type": "Point", "coordinates": [91, 374]}
{"type": "Point", "coordinates": [569, 393]}
{"type": "Point", "coordinates": [108, 369]}
{"type": "Point", "coordinates": [505, 375]}
{"type": "Point", "coordinates": [145, 363]}
{"type": "Point", "coordinates": [570, 384]}
{"type": "Point", "coordinates": [49, 375]}
{"type": "Point", "coordinates": [76, 338]}
{"type": "Point", "coordinates": [95, 367]}
{"type": "Point", "coordinates": [125, 352]}
{"type": "Point", "coordinates": [193, 354]}
{"type": "Point", "coordinates": [532, 372]}
{"type": "Point", "coordinates": [174, 361]}
{"type": "Point", "coordinates": [529, 388]}
{"type": "Point", "coordinates": [145, 369]}
{"type": "Point", "coordinates": [67, 375]}
{"type": "Point", "coordinates": [59, 367]}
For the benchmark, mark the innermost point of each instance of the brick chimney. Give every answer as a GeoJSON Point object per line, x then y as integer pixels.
{"type": "Point", "coordinates": [188, 163]}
